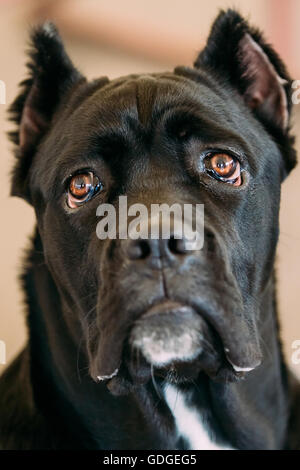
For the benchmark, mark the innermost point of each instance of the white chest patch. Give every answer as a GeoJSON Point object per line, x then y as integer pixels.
{"type": "Point", "coordinates": [189, 422]}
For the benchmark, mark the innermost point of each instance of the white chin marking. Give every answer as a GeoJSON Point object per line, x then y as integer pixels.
{"type": "Point", "coordinates": [106, 377]}
{"type": "Point", "coordinates": [162, 351]}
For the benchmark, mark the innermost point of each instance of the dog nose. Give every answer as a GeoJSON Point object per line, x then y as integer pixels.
{"type": "Point", "coordinates": [142, 249]}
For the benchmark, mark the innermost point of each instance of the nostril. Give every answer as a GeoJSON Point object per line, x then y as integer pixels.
{"type": "Point", "coordinates": [145, 249]}
{"type": "Point", "coordinates": [210, 241]}
{"type": "Point", "coordinates": [139, 249]}
{"type": "Point", "coordinates": [177, 245]}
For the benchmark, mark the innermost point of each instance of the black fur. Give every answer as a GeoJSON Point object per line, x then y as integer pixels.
{"type": "Point", "coordinates": [221, 55]}
{"type": "Point", "coordinates": [146, 137]}
{"type": "Point", "coordinates": [51, 76]}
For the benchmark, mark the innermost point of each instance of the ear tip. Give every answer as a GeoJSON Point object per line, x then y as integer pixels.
{"type": "Point", "coordinates": [46, 48]}
{"type": "Point", "coordinates": [49, 29]}
{"type": "Point", "coordinates": [226, 29]}
{"type": "Point", "coordinates": [231, 19]}
{"type": "Point", "coordinates": [231, 15]}
{"type": "Point", "coordinates": [45, 32]}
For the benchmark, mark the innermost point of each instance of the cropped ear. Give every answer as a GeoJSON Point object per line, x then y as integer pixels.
{"type": "Point", "coordinates": [51, 75]}
{"type": "Point", "coordinates": [238, 54]}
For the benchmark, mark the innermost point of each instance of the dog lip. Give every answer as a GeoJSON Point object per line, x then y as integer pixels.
{"type": "Point", "coordinates": [167, 306]}
{"type": "Point", "coordinates": [109, 359]}
{"type": "Point", "coordinates": [107, 377]}
{"type": "Point", "coordinates": [239, 341]}
{"type": "Point", "coordinates": [239, 368]}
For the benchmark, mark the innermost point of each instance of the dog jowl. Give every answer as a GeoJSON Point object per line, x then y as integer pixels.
{"type": "Point", "coordinates": [143, 343]}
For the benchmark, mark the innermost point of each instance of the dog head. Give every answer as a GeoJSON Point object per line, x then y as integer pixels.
{"type": "Point", "coordinates": [215, 134]}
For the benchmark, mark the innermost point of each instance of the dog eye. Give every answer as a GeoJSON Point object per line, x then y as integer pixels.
{"type": "Point", "coordinates": [82, 187]}
{"type": "Point", "coordinates": [224, 167]}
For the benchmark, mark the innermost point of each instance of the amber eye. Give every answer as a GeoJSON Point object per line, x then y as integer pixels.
{"type": "Point", "coordinates": [82, 187]}
{"type": "Point", "coordinates": [224, 167]}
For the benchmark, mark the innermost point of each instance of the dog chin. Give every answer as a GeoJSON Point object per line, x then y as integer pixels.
{"type": "Point", "coordinates": [172, 342]}
{"type": "Point", "coordinates": [168, 333]}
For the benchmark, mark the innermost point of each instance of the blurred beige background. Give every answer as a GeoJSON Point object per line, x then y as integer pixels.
{"type": "Point", "coordinates": [118, 37]}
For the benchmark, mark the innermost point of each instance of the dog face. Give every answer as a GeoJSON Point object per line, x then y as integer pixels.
{"type": "Point", "coordinates": [211, 135]}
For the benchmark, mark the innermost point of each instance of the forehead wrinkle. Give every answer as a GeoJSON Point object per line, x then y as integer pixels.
{"type": "Point", "coordinates": [146, 90]}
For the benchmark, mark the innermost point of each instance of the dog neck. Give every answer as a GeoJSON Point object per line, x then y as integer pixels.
{"type": "Point", "coordinates": [251, 414]}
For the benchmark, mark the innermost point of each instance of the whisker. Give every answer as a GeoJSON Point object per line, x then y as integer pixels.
{"type": "Point", "coordinates": [154, 383]}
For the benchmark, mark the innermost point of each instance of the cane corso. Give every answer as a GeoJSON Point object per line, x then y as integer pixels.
{"type": "Point", "coordinates": [141, 343]}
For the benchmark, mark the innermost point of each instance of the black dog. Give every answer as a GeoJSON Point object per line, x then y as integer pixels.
{"type": "Point", "coordinates": [144, 344]}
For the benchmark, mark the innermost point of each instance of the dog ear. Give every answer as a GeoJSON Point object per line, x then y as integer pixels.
{"type": "Point", "coordinates": [51, 75]}
{"type": "Point", "coordinates": [238, 54]}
